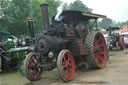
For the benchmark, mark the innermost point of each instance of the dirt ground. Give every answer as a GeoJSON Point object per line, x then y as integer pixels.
{"type": "Point", "coordinates": [115, 73]}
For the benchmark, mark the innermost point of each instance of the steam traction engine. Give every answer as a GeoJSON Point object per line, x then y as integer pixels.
{"type": "Point", "coordinates": [11, 55]}
{"type": "Point", "coordinates": [115, 39]}
{"type": "Point", "coordinates": [64, 43]}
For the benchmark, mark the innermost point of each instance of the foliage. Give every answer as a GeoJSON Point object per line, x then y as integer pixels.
{"type": "Point", "coordinates": [14, 14]}
{"type": "Point", "coordinates": [121, 24]}
{"type": "Point", "coordinates": [3, 12]}
{"type": "Point", "coordinates": [105, 23]}
{"type": "Point", "coordinates": [78, 5]}
{"type": "Point", "coordinates": [109, 22]}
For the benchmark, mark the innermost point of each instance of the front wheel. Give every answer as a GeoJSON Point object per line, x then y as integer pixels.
{"type": "Point", "coordinates": [66, 65]}
{"type": "Point", "coordinates": [31, 71]}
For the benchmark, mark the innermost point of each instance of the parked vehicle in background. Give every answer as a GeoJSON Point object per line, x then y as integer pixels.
{"type": "Point", "coordinates": [115, 39]}
{"type": "Point", "coordinates": [126, 44]}
{"type": "Point", "coordinates": [11, 55]}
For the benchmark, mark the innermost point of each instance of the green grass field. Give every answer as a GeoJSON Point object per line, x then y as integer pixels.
{"type": "Point", "coordinates": [13, 78]}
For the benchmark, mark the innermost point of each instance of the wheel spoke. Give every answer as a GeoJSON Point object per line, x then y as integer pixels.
{"type": "Point", "coordinates": [64, 67]}
{"type": "Point", "coordinates": [101, 52]}
{"type": "Point", "coordinates": [68, 60]}
{"type": "Point", "coordinates": [97, 41]}
{"type": "Point", "coordinates": [66, 74]}
{"type": "Point", "coordinates": [99, 57]}
{"type": "Point", "coordinates": [31, 65]}
{"type": "Point", "coordinates": [70, 69]}
{"type": "Point", "coordinates": [101, 45]}
{"type": "Point", "coordinates": [65, 59]}
{"type": "Point", "coordinates": [72, 63]}
{"type": "Point", "coordinates": [34, 59]}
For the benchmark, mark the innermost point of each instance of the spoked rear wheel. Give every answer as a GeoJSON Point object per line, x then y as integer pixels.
{"type": "Point", "coordinates": [66, 65]}
{"type": "Point", "coordinates": [31, 71]}
{"type": "Point", "coordinates": [98, 52]}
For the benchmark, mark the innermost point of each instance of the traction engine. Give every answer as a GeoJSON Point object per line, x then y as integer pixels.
{"type": "Point", "coordinates": [64, 44]}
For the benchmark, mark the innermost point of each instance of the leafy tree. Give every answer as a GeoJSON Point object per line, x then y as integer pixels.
{"type": "Point", "coordinates": [105, 23]}
{"type": "Point", "coordinates": [121, 23]}
{"type": "Point", "coordinates": [52, 8]}
{"type": "Point", "coordinates": [3, 12]}
{"type": "Point", "coordinates": [78, 5]}
{"type": "Point", "coordinates": [14, 14]}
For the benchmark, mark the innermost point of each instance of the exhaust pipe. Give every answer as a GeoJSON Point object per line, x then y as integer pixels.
{"type": "Point", "coordinates": [31, 29]}
{"type": "Point", "coordinates": [44, 9]}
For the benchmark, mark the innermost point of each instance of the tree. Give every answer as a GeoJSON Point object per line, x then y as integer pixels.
{"type": "Point", "coordinates": [52, 9]}
{"type": "Point", "coordinates": [121, 24]}
{"type": "Point", "coordinates": [78, 5]}
{"type": "Point", "coordinates": [14, 14]}
{"type": "Point", "coordinates": [105, 23]}
{"type": "Point", "coordinates": [3, 12]}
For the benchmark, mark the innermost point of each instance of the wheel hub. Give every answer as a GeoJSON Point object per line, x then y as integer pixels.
{"type": "Point", "coordinates": [69, 65]}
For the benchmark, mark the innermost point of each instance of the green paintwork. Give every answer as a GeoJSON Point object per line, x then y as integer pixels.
{"type": "Point", "coordinates": [111, 45]}
{"type": "Point", "coordinates": [18, 49]}
{"type": "Point", "coordinates": [18, 52]}
{"type": "Point", "coordinates": [9, 44]}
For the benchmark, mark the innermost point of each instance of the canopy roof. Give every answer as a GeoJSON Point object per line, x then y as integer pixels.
{"type": "Point", "coordinates": [68, 16]}
{"type": "Point", "coordinates": [92, 15]}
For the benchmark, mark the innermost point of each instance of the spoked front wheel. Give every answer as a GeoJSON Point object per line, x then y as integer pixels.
{"type": "Point", "coordinates": [66, 65]}
{"type": "Point", "coordinates": [31, 71]}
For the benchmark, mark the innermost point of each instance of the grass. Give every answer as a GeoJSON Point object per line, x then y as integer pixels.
{"type": "Point", "coordinates": [13, 78]}
{"type": "Point", "coordinates": [16, 78]}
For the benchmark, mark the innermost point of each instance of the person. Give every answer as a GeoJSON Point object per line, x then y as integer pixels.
{"type": "Point", "coordinates": [117, 41]}
{"type": "Point", "coordinates": [107, 43]}
{"type": "Point", "coordinates": [126, 44]}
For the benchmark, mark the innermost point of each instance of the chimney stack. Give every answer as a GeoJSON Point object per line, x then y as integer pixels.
{"type": "Point", "coordinates": [44, 9]}
{"type": "Point", "coordinates": [31, 29]}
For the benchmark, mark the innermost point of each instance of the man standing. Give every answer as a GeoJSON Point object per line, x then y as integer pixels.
{"type": "Point", "coordinates": [126, 44]}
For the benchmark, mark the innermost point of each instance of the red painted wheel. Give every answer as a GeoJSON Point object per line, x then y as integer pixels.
{"type": "Point", "coordinates": [98, 53]}
{"type": "Point", "coordinates": [31, 71]}
{"type": "Point", "coordinates": [66, 65]}
{"type": "Point", "coordinates": [100, 50]}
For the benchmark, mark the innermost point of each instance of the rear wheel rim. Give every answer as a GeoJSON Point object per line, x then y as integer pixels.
{"type": "Point", "coordinates": [67, 65]}
{"type": "Point", "coordinates": [100, 50]}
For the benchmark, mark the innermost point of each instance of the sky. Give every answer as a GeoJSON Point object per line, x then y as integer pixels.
{"type": "Point", "coordinates": [117, 10]}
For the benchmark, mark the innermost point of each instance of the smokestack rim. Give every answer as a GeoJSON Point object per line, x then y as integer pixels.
{"type": "Point", "coordinates": [44, 4]}
{"type": "Point", "coordinates": [30, 19]}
